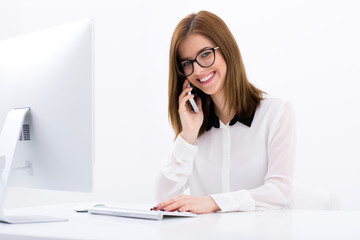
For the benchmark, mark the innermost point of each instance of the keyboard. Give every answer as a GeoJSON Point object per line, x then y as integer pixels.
{"type": "Point", "coordinates": [137, 213]}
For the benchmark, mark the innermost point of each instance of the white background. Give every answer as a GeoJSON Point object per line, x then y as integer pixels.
{"type": "Point", "coordinates": [305, 51]}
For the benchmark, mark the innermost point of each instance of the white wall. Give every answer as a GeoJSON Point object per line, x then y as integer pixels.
{"type": "Point", "coordinates": [304, 51]}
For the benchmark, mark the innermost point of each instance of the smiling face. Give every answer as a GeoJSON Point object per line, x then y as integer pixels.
{"type": "Point", "coordinates": [210, 80]}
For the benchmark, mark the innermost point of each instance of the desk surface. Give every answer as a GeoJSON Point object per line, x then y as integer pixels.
{"type": "Point", "coordinates": [282, 224]}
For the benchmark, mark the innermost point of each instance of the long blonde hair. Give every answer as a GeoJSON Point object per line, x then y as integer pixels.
{"type": "Point", "coordinates": [240, 94]}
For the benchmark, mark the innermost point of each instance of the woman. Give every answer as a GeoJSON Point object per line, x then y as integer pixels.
{"type": "Point", "coordinates": [237, 152]}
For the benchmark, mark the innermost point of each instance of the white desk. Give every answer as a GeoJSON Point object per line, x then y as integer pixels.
{"type": "Point", "coordinates": [286, 224]}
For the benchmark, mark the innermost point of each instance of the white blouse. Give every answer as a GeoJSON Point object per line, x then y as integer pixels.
{"type": "Point", "coordinates": [242, 168]}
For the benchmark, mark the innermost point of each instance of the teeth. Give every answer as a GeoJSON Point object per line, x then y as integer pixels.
{"type": "Point", "coordinates": [207, 78]}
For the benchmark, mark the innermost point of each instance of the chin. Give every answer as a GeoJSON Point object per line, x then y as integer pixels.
{"type": "Point", "coordinates": [210, 91]}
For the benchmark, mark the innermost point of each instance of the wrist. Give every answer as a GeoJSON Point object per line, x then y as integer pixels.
{"type": "Point", "coordinates": [189, 137]}
{"type": "Point", "coordinates": [214, 206]}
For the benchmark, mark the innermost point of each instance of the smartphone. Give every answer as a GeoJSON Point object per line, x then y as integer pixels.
{"type": "Point", "coordinates": [192, 101]}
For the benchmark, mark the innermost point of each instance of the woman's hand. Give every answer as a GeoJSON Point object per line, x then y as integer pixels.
{"type": "Point", "coordinates": [186, 203]}
{"type": "Point", "coordinates": [190, 121]}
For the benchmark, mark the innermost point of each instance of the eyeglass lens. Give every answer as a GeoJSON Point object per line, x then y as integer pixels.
{"type": "Point", "coordinates": [205, 59]}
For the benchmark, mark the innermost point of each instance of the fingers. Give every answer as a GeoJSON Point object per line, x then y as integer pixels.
{"type": "Point", "coordinates": [183, 104]}
{"type": "Point", "coordinates": [185, 91]}
{"type": "Point", "coordinates": [186, 203]}
{"type": "Point", "coordinates": [181, 203]}
{"type": "Point", "coordinates": [186, 84]}
{"type": "Point", "coordinates": [172, 204]}
{"type": "Point", "coordinates": [164, 204]}
{"type": "Point", "coordinates": [187, 208]}
{"type": "Point", "coordinates": [184, 97]}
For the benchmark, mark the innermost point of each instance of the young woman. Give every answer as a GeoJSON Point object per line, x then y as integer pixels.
{"type": "Point", "coordinates": [237, 152]}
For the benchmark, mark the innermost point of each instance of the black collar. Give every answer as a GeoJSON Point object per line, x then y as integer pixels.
{"type": "Point", "coordinates": [215, 122]}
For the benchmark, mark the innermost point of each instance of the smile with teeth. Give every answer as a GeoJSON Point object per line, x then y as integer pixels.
{"type": "Point", "coordinates": [207, 77]}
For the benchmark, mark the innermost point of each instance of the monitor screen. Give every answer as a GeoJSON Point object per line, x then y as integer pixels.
{"type": "Point", "coordinates": [51, 72]}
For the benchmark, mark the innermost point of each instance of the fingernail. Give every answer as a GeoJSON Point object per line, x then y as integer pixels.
{"type": "Point", "coordinates": [162, 209]}
{"type": "Point", "coordinates": [178, 210]}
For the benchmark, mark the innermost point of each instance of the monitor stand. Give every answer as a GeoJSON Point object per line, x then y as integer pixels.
{"type": "Point", "coordinates": [9, 138]}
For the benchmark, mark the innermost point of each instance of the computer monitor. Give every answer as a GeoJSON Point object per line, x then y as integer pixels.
{"type": "Point", "coordinates": [48, 75]}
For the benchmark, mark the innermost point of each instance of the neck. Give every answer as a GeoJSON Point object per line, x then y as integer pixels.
{"type": "Point", "coordinates": [221, 110]}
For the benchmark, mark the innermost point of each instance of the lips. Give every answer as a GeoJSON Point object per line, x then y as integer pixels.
{"type": "Point", "coordinates": [207, 78]}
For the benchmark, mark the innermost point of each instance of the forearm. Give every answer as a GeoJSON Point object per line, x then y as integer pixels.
{"type": "Point", "coordinates": [271, 195]}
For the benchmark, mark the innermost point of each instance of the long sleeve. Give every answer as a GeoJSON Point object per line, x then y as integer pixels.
{"type": "Point", "coordinates": [175, 171]}
{"type": "Point", "coordinates": [276, 190]}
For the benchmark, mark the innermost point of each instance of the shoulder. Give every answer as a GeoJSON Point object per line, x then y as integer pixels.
{"type": "Point", "coordinates": [270, 103]}
{"type": "Point", "coordinates": [272, 108]}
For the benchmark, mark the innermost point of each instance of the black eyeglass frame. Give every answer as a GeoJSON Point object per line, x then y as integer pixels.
{"type": "Point", "coordinates": [195, 60]}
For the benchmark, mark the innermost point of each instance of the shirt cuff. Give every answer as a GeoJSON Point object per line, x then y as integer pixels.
{"type": "Point", "coordinates": [183, 150]}
{"type": "Point", "coordinates": [235, 201]}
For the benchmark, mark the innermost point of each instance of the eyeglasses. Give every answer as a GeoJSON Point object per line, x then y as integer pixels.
{"type": "Point", "coordinates": [205, 59]}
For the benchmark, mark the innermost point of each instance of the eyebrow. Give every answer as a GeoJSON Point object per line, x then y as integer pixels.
{"type": "Point", "coordinates": [204, 48]}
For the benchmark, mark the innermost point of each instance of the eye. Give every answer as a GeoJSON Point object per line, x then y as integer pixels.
{"type": "Point", "coordinates": [185, 64]}
{"type": "Point", "coordinates": [206, 54]}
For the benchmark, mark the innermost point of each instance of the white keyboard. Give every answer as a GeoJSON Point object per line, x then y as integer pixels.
{"type": "Point", "coordinates": [136, 213]}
